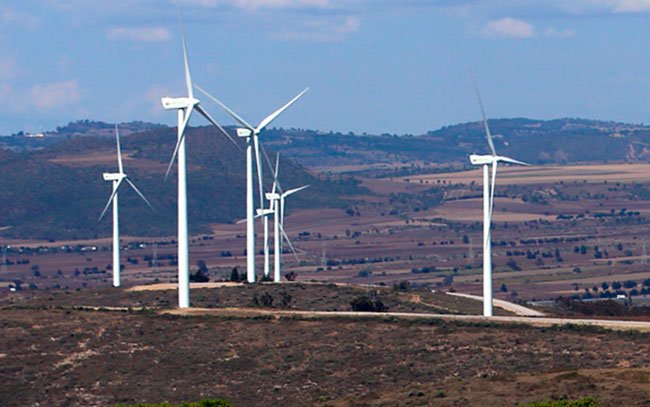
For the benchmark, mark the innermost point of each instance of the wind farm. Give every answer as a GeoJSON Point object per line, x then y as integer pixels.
{"type": "Point", "coordinates": [498, 259]}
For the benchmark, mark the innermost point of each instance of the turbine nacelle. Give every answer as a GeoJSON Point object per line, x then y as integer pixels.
{"type": "Point", "coordinates": [169, 103]}
{"type": "Point", "coordinates": [242, 132]}
{"type": "Point", "coordinates": [272, 196]}
{"type": "Point", "coordinates": [113, 176]}
{"type": "Point", "coordinates": [476, 159]}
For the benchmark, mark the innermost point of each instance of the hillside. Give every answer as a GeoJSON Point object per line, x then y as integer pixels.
{"type": "Point", "coordinates": [22, 141]}
{"type": "Point", "coordinates": [58, 192]}
{"type": "Point", "coordinates": [559, 141]}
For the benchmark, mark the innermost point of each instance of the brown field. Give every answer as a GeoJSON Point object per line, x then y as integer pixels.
{"type": "Point", "coordinates": [387, 242]}
{"type": "Point", "coordinates": [545, 175]}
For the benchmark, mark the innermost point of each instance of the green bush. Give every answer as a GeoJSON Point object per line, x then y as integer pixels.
{"type": "Point", "coordinates": [585, 402]}
{"type": "Point", "coordinates": [200, 403]}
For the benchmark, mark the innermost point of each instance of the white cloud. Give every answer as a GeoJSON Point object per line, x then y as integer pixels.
{"type": "Point", "coordinates": [260, 4]}
{"type": "Point", "coordinates": [605, 6]}
{"type": "Point", "coordinates": [152, 97]}
{"type": "Point", "coordinates": [554, 33]}
{"type": "Point", "coordinates": [139, 34]}
{"type": "Point", "coordinates": [631, 6]}
{"type": "Point", "coordinates": [322, 30]}
{"type": "Point", "coordinates": [509, 28]}
{"type": "Point", "coordinates": [55, 94]}
{"type": "Point", "coordinates": [8, 68]}
{"type": "Point", "coordinates": [9, 17]}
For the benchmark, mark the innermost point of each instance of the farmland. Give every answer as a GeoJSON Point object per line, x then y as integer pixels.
{"type": "Point", "coordinates": [552, 236]}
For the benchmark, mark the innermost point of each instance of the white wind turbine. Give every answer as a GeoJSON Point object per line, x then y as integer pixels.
{"type": "Point", "coordinates": [184, 105]}
{"type": "Point", "coordinates": [117, 178]}
{"type": "Point", "coordinates": [488, 203]}
{"type": "Point", "coordinates": [251, 133]}
{"type": "Point", "coordinates": [276, 204]}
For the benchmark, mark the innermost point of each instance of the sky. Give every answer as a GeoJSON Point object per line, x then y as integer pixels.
{"type": "Point", "coordinates": [375, 66]}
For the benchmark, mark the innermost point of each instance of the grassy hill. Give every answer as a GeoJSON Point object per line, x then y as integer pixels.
{"type": "Point", "coordinates": [58, 192]}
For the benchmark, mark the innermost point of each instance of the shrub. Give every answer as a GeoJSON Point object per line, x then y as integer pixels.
{"type": "Point", "coordinates": [199, 277]}
{"type": "Point", "coordinates": [584, 402]}
{"type": "Point", "coordinates": [364, 304]}
{"type": "Point", "coordinates": [200, 403]}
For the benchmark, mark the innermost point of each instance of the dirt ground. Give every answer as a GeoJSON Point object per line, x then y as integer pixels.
{"type": "Point", "coordinates": [59, 357]}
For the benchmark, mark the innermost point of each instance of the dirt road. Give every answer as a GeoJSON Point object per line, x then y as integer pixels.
{"type": "Point", "coordinates": [534, 321]}
{"type": "Point", "coordinates": [506, 305]}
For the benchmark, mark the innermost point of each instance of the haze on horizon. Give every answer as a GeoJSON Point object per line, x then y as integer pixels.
{"type": "Point", "coordinates": [376, 66]}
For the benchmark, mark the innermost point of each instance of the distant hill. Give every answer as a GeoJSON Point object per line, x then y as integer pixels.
{"type": "Point", "coordinates": [536, 141]}
{"type": "Point", "coordinates": [58, 192]}
{"type": "Point", "coordinates": [22, 141]}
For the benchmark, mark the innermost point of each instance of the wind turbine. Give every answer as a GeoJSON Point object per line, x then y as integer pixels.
{"type": "Point", "coordinates": [488, 203]}
{"type": "Point", "coordinates": [184, 105]}
{"type": "Point", "coordinates": [117, 178]}
{"type": "Point", "coordinates": [251, 134]}
{"type": "Point", "coordinates": [276, 203]}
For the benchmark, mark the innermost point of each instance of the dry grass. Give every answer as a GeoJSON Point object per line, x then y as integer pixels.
{"type": "Point", "coordinates": [102, 358]}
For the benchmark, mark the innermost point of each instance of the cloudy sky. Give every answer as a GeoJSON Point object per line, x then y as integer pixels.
{"type": "Point", "coordinates": [376, 66]}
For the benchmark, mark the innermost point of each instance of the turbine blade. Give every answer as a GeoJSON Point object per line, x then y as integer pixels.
{"type": "Point", "coordinates": [268, 119]}
{"type": "Point", "coordinates": [293, 191]}
{"type": "Point", "coordinates": [513, 161]}
{"type": "Point", "coordinates": [258, 165]}
{"type": "Point", "coordinates": [275, 173]}
{"type": "Point", "coordinates": [110, 199]}
{"type": "Point", "coordinates": [240, 221]}
{"type": "Point", "coordinates": [144, 198]}
{"type": "Point", "coordinates": [183, 126]}
{"type": "Point", "coordinates": [188, 76]}
{"type": "Point", "coordinates": [276, 182]}
{"type": "Point", "coordinates": [286, 237]}
{"type": "Point", "coordinates": [217, 125]}
{"type": "Point", "coordinates": [488, 135]}
{"type": "Point", "coordinates": [227, 109]}
{"type": "Point", "coordinates": [119, 150]}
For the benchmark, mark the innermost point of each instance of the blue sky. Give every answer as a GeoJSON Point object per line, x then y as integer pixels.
{"type": "Point", "coordinates": [373, 65]}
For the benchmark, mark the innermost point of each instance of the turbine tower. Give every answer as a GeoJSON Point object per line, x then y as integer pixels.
{"type": "Point", "coordinates": [486, 161]}
{"type": "Point", "coordinates": [184, 105]}
{"type": "Point", "coordinates": [251, 134]}
{"type": "Point", "coordinates": [276, 203]}
{"type": "Point", "coordinates": [117, 178]}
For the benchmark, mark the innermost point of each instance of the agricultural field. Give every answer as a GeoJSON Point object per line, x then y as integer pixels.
{"type": "Point", "coordinates": [551, 236]}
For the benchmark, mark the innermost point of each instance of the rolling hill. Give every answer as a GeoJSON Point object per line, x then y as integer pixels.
{"type": "Point", "coordinates": [58, 192]}
{"type": "Point", "coordinates": [558, 141]}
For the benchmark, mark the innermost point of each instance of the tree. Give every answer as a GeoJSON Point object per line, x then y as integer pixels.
{"type": "Point", "coordinates": [290, 276]}
{"type": "Point", "coordinates": [604, 286]}
{"type": "Point", "coordinates": [199, 277]}
{"type": "Point", "coordinates": [512, 263]}
{"type": "Point", "coordinates": [203, 268]}
{"type": "Point", "coordinates": [234, 274]}
{"type": "Point", "coordinates": [629, 284]}
{"type": "Point", "coordinates": [504, 288]}
{"type": "Point", "coordinates": [364, 304]}
{"type": "Point", "coordinates": [616, 285]}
